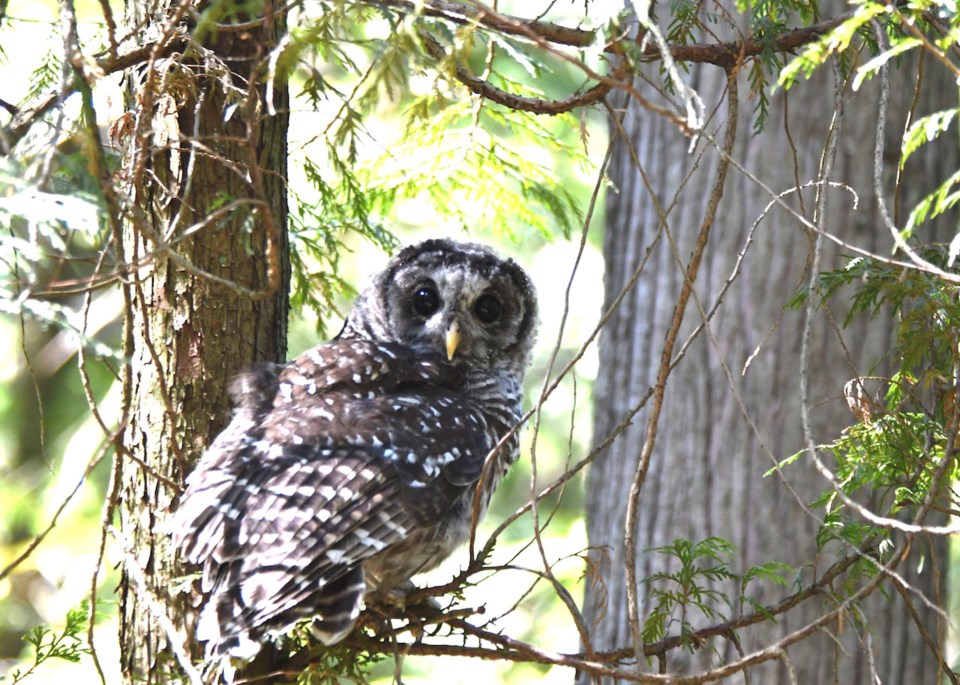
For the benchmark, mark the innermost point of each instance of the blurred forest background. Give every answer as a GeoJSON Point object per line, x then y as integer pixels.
{"type": "Point", "coordinates": [382, 151]}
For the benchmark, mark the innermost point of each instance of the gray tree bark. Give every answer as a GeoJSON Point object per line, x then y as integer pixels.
{"type": "Point", "coordinates": [208, 293]}
{"type": "Point", "coordinates": [706, 473]}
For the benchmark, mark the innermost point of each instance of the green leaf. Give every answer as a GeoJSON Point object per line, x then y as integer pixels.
{"type": "Point", "coordinates": [835, 41]}
{"type": "Point", "coordinates": [786, 461]}
{"type": "Point", "coordinates": [67, 645]}
{"type": "Point", "coordinates": [934, 204]}
{"type": "Point", "coordinates": [924, 130]}
{"type": "Point", "coordinates": [874, 65]}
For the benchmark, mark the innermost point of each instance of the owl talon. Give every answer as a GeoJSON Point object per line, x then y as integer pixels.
{"type": "Point", "coordinates": [386, 606]}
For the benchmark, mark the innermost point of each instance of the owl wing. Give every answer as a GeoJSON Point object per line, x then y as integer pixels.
{"type": "Point", "coordinates": [361, 445]}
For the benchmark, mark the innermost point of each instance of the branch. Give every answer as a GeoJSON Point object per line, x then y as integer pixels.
{"type": "Point", "coordinates": [719, 54]}
{"type": "Point", "coordinates": [39, 537]}
{"type": "Point", "coordinates": [463, 14]}
{"type": "Point", "coordinates": [661, 647]}
{"type": "Point", "coordinates": [548, 36]}
{"type": "Point", "coordinates": [518, 102]}
{"type": "Point", "coordinates": [505, 648]}
{"type": "Point", "coordinates": [726, 54]}
{"type": "Point", "coordinates": [936, 650]}
{"type": "Point", "coordinates": [540, 32]}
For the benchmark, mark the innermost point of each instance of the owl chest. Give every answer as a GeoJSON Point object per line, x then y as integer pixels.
{"type": "Point", "coordinates": [428, 546]}
{"type": "Point", "coordinates": [422, 551]}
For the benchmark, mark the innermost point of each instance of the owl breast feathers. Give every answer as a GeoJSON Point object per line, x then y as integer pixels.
{"type": "Point", "coordinates": [354, 467]}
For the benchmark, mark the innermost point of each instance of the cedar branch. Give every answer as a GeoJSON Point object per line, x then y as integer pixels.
{"type": "Point", "coordinates": [720, 54]}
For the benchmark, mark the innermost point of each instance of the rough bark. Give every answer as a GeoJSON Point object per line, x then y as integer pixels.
{"type": "Point", "coordinates": [210, 141]}
{"type": "Point", "coordinates": [706, 473]}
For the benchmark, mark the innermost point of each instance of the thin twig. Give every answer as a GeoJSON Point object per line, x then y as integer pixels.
{"type": "Point", "coordinates": [630, 542]}
{"type": "Point", "coordinates": [534, 499]}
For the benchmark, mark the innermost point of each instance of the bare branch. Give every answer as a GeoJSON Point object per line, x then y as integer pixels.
{"type": "Point", "coordinates": [519, 102]}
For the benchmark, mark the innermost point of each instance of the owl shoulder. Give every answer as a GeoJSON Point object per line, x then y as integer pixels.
{"type": "Point", "coordinates": [366, 365]}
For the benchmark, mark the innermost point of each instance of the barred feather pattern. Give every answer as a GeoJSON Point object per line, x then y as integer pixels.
{"type": "Point", "coordinates": [353, 467]}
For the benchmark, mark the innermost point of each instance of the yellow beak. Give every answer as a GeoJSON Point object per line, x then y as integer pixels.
{"type": "Point", "coordinates": [452, 339]}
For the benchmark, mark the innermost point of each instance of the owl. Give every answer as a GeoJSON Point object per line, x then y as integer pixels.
{"type": "Point", "coordinates": [354, 467]}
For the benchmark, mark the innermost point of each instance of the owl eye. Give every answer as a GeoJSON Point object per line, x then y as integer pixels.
{"type": "Point", "coordinates": [487, 308]}
{"type": "Point", "coordinates": [426, 300]}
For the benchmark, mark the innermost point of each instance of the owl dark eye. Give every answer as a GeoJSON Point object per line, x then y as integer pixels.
{"type": "Point", "coordinates": [426, 300]}
{"type": "Point", "coordinates": [487, 308]}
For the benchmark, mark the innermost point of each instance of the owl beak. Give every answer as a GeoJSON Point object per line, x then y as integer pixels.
{"type": "Point", "coordinates": [452, 339]}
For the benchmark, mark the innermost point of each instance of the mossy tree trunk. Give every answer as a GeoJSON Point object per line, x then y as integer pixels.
{"type": "Point", "coordinates": [208, 284]}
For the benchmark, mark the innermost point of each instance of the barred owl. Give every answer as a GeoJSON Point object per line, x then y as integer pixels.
{"type": "Point", "coordinates": [354, 467]}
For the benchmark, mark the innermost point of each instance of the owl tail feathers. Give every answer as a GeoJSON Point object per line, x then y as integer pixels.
{"type": "Point", "coordinates": [231, 638]}
{"type": "Point", "coordinates": [224, 653]}
{"type": "Point", "coordinates": [339, 607]}
{"type": "Point", "coordinates": [239, 645]}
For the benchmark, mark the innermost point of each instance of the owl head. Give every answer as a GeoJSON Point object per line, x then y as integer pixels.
{"type": "Point", "coordinates": [457, 299]}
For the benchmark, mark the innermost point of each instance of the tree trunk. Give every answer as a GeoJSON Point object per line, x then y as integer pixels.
{"type": "Point", "coordinates": [706, 473]}
{"type": "Point", "coordinates": [208, 292]}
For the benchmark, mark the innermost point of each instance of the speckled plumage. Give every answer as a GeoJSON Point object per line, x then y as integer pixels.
{"type": "Point", "coordinates": [353, 467]}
